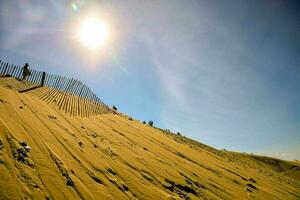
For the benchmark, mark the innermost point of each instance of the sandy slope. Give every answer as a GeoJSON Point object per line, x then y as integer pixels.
{"type": "Point", "coordinates": [111, 157]}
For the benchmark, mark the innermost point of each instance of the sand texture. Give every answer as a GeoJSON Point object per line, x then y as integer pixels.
{"type": "Point", "coordinates": [48, 154]}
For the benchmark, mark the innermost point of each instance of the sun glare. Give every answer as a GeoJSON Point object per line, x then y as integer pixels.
{"type": "Point", "coordinates": [93, 33]}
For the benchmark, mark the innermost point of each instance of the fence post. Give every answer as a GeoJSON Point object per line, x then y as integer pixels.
{"type": "Point", "coordinates": [43, 78]}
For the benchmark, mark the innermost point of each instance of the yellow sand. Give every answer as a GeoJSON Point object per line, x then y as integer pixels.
{"type": "Point", "coordinates": [111, 157]}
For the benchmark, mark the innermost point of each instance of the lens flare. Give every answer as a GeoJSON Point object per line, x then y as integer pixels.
{"type": "Point", "coordinates": [74, 6]}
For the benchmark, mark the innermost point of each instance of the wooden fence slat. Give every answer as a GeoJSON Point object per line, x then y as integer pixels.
{"type": "Point", "coordinates": [83, 101]}
{"type": "Point", "coordinates": [79, 86]}
{"type": "Point", "coordinates": [90, 104]}
{"type": "Point", "coordinates": [9, 70]}
{"type": "Point", "coordinates": [28, 78]}
{"type": "Point", "coordinates": [17, 72]}
{"type": "Point", "coordinates": [39, 78]}
{"type": "Point", "coordinates": [53, 82]}
{"type": "Point", "coordinates": [64, 84]}
{"type": "Point", "coordinates": [60, 103]}
{"type": "Point", "coordinates": [35, 77]}
{"type": "Point", "coordinates": [73, 99]}
{"type": "Point", "coordinates": [32, 76]}
{"type": "Point", "coordinates": [42, 82]}
{"type": "Point", "coordinates": [68, 94]}
{"type": "Point", "coordinates": [97, 106]}
{"type": "Point", "coordinates": [76, 88]}
{"type": "Point", "coordinates": [1, 67]}
{"type": "Point", "coordinates": [59, 82]}
{"type": "Point", "coordinates": [20, 72]}
{"type": "Point", "coordinates": [72, 102]}
{"type": "Point", "coordinates": [54, 94]}
{"type": "Point", "coordinates": [94, 103]}
{"type": "Point", "coordinates": [56, 80]}
{"type": "Point", "coordinates": [52, 79]}
{"type": "Point", "coordinates": [48, 90]}
{"type": "Point", "coordinates": [5, 68]}
{"type": "Point", "coordinates": [81, 90]}
{"type": "Point", "coordinates": [86, 102]}
{"type": "Point", "coordinates": [46, 80]}
{"type": "Point", "coordinates": [13, 71]}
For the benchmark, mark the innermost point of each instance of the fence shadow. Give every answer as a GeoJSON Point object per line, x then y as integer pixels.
{"type": "Point", "coordinates": [68, 94]}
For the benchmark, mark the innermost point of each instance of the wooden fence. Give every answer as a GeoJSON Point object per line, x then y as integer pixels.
{"type": "Point", "coordinates": [68, 94]}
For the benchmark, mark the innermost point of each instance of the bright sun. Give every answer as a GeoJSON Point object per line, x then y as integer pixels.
{"type": "Point", "coordinates": [93, 33]}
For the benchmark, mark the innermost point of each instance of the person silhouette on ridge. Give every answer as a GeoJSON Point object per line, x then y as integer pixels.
{"type": "Point", "coordinates": [26, 72]}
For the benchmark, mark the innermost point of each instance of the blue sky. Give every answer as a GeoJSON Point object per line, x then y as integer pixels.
{"type": "Point", "coordinates": [226, 73]}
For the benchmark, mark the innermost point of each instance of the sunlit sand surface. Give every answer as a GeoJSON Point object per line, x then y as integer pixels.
{"type": "Point", "coordinates": [47, 154]}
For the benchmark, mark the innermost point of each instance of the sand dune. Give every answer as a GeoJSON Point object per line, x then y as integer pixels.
{"type": "Point", "coordinates": [47, 154]}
